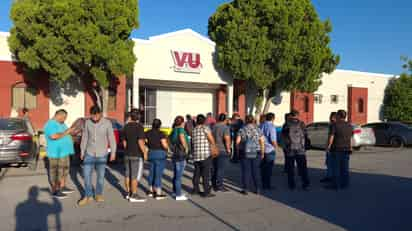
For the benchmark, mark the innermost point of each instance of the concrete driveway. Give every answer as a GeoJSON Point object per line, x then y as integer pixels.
{"type": "Point", "coordinates": [379, 199]}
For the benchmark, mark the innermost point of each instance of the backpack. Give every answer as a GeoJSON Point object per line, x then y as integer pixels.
{"type": "Point", "coordinates": [179, 153]}
{"type": "Point", "coordinates": [251, 144]}
{"type": "Point", "coordinates": [296, 137]}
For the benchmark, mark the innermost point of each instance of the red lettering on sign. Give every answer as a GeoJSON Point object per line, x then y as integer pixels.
{"type": "Point", "coordinates": [187, 62]}
{"type": "Point", "coordinates": [194, 63]}
{"type": "Point", "coordinates": [180, 61]}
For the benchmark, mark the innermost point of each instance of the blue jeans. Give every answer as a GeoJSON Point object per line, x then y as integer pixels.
{"type": "Point", "coordinates": [340, 168]}
{"type": "Point", "coordinates": [178, 170]}
{"type": "Point", "coordinates": [266, 169]}
{"type": "Point", "coordinates": [219, 165]}
{"type": "Point", "coordinates": [249, 169]}
{"type": "Point", "coordinates": [157, 159]}
{"type": "Point", "coordinates": [329, 165]}
{"type": "Point", "coordinates": [91, 162]}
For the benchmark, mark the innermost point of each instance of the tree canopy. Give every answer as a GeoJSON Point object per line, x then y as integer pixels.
{"type": "Point", "coordinates": [277, 44]}
{"type": "Point", "coordinates": [398, 96]}
{"type": "Point", "coordinates": [89, 39]}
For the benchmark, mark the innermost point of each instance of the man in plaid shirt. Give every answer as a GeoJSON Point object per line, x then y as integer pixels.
{"type": "Point", "coordinates": [202, 140]}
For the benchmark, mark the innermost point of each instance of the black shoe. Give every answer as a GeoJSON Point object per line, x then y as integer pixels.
{"type": "Point", "coordinates": [67, 190]}
{"type": "Point", "coordinates": [257, 192]}
{"type": "Point", "coordinates": [325, 180]}
{"type": "Point", "coordinates": [306, 188]}
{"type": "Point", "coordinates": [244, 192]}
{"type": "Point", "coordinates": [208, 195]}
{"type": "Point", "coordinates": [59, 195]}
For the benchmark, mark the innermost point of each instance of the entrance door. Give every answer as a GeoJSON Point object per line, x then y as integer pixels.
{"type": "Point", "coordinates": [303, 103]}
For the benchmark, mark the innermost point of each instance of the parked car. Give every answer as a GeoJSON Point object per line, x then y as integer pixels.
{"type": "Point", "coordinates": [78, 126]}
{"type": "Point", "coordinates": [318, 135]}
{"type": "Point", "coordinates": [18, 145]}
{"type": "Point", "coordinates": [396, 134]}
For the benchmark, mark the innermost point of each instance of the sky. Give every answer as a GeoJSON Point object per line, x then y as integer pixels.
{"type": "Point", "coordinates": [369, 35]}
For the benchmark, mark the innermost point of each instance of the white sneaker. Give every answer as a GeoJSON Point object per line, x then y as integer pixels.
{"type": "Point", "coordinates": [181, 198]}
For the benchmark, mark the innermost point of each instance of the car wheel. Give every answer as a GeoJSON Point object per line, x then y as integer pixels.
{"type": "Point", "coordinates": [396, 142]}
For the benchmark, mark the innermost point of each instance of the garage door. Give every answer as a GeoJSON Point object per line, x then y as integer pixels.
{"type": "Point", "coordinates": [171, 103]}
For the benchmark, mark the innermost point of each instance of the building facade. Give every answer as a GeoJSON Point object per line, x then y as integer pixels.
{"type": "Point", "coordinates": [176, 74]}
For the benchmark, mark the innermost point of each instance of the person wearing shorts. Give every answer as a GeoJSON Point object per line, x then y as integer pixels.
{"type": "Point", "coordinates": [59, 148]}
{"type": "Point", "coordinates": [135, 151]}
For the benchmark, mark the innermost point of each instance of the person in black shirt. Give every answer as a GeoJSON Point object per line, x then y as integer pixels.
{"type": "Point", "coordinates": [340, 147]}
{"type": "Point", "coordinates": [135, 151]}
{"type": "Point", "coordinates": [235, 126]}
{"type": "Point", "coordinates": [157, 143]}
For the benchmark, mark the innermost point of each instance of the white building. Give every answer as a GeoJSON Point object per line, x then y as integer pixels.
{"type": "Point", "coordinates": [175, 74]}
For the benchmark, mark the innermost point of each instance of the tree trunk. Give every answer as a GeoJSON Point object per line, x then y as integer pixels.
{"type": "Point", "coordinates": [102, 95]}
{"type": "Point", "coordinates": [105, 101]}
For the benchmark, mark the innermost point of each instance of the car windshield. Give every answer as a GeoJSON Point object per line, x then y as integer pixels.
{"type": "Point", "coordinates": [11, 124]}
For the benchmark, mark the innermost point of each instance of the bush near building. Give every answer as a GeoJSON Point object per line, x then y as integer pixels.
{"type": "Point", "coordinates": [398, 96]}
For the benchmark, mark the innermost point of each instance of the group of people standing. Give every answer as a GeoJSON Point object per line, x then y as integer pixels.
{"type": "Point", "coordinates": [209, 143]}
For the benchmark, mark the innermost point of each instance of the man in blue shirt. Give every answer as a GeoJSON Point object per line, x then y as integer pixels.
{"type": "Point", "coordinates": [59, 148]}
{"type": "Point", "coordinates": [269, 132]}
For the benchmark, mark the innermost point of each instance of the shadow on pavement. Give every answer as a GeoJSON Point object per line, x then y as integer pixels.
{"type": "Point", "coordinates": [373, 202]}
{"type": "Point", "coordinates": [33, 214]}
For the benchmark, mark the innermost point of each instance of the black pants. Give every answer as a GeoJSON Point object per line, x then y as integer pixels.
{"type": "Point", "coordinates": [302, 169]}
{"type": "Point", "coordinates": [202, 169]}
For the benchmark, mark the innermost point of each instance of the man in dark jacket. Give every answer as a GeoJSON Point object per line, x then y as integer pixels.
{"type": "Point", "coordinates": [295, 139]}
{"type": "Point", "coordinates": [340, 147]}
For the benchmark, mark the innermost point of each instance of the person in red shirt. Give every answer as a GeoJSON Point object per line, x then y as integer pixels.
{"type": "Point", "coordinates": [210, 121]}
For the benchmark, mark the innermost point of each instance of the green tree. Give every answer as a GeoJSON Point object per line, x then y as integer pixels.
{"type": "Point", "coordinates": [279, 45]}
{"type": "Point", "coordinates": [87, 39]}
{"type": "Point", "coordinates": [398, 96]}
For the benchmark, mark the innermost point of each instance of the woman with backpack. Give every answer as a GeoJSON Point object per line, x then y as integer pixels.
{"type": "Point", "coordinates": [253, 142]}
{"type": "Point", "coordinates": [157, 144]}
{"type": "Point", "coordinates": [179, 145]}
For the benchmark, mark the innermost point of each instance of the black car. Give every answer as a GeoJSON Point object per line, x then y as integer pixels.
{"type": "Point", "coordinates": [18, 143]}
{"type": "Point", "coordinates": [395, 134]}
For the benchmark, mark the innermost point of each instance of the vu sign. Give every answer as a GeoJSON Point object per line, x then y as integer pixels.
{"type": "Point", "coordinates": [186, 62]}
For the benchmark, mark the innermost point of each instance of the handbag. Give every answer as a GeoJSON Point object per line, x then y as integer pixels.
{"type": "Point", "coordinates": [179, 151]}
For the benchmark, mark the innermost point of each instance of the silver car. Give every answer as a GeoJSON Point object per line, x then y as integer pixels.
{"type": "Point", "coordinates": [17, 143]}
{"type": "Point", "coordinates": [318, 135]}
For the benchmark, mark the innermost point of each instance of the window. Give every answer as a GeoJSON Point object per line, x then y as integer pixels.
{"type": "Point", "coordinates": [360, 105]}
{"type": "Point", "coordinates": [318, 98]}
{"type": "Point", "coordinates": [112, 100]}
{"type": "Point", "coordinates": [147, 105]}
{"type": "Point", "coordinates": [334, 99]}
{"type": "Point", "coordinates": [24, 97]}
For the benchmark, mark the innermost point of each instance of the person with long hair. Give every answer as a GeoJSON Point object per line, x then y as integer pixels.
{"type": "Point", "coordinates": [180, 146]}
{"type": "Point", "coordinates": [158, 145]}
{"type": "Point", "coordinates": [252, 140]}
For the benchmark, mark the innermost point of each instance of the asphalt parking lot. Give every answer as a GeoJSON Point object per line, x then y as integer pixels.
{"type": "Point", "coordinates": [379, 199]}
